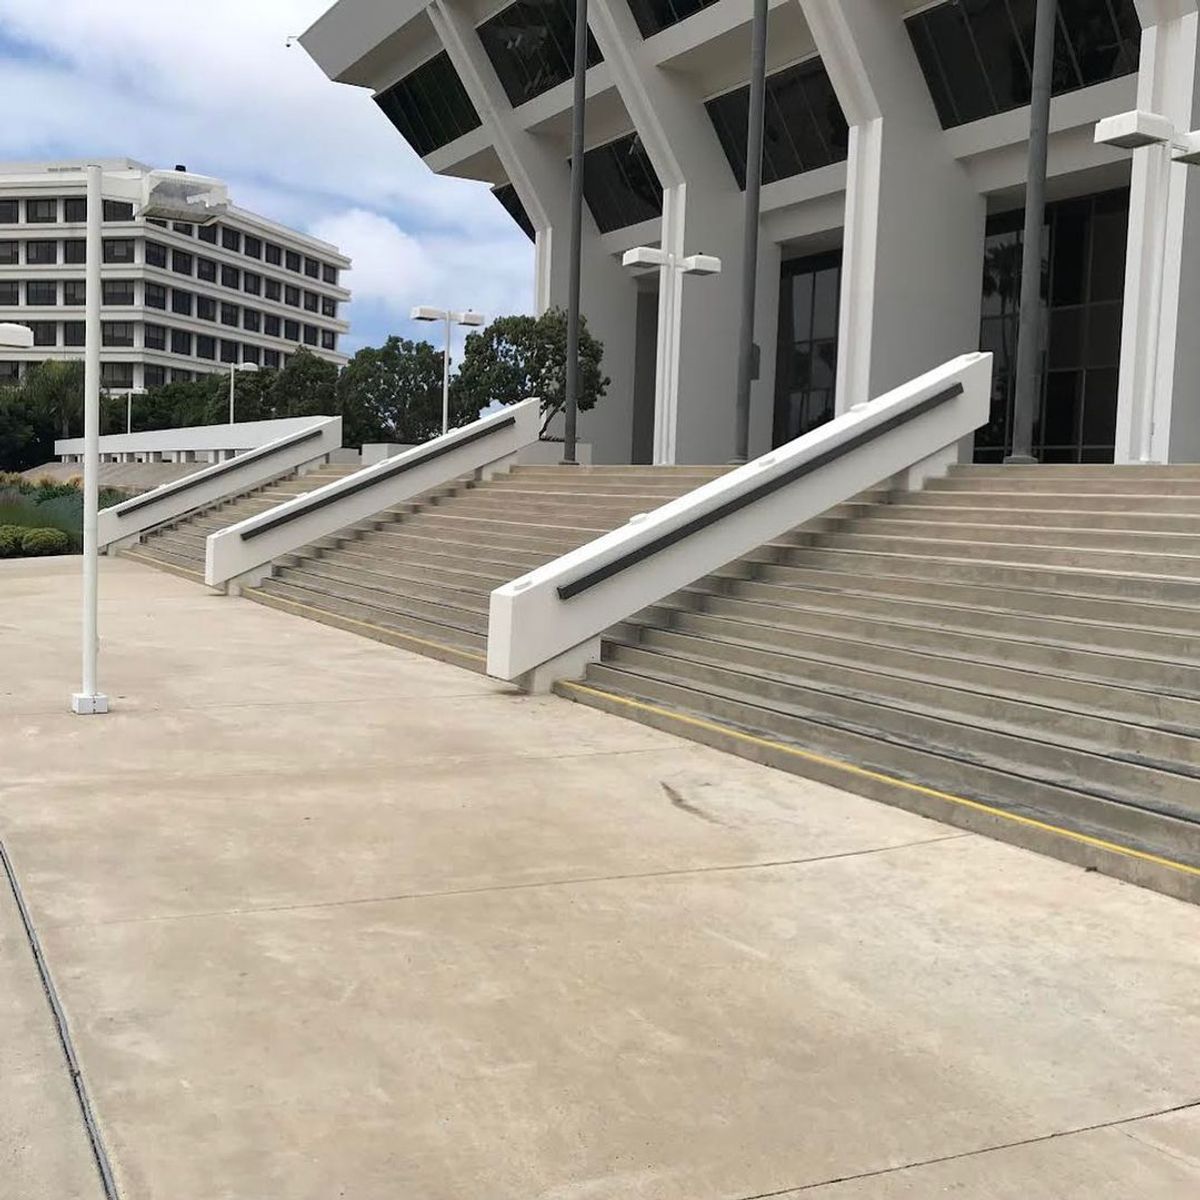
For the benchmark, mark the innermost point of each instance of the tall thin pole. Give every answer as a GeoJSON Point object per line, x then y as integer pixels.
{"type": "Point", "coordinates": [128, 412]}
{"type": "Point", "coordinates": [232, 385]}
{"type": "Point", "coordinates": [754, 155]}
{"type": "Point", "coordinates": [89, 700]}
{"type": "Point", "coordinates": [446, 378]}
{"type": "Point", "coordinates": [571, 415]}
{"type": "Point", "coordinates": [1029, 350]}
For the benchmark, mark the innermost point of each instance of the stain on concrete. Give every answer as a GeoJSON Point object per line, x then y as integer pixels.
{"type": "Point", "coordinates": [681, 802]}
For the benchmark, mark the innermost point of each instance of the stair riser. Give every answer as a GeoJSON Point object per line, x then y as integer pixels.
{"type": "Point", "coordinates": [1186, 505]}
{"type": "Point", "coordinates": [1033, 518]}
{"type": "Point", "coordinates": [180, 547]}
{"type": "Point", "coordinates": [476, 600]}
{"type": "Point", "coordinates": [472, 581]}
{"type": "Point", "coordinates": [1075, 472]}
{"type": "Point", "coordinates": [545, 548]}
{"type": "Point", "coordinates": [386, 600]}
{"type": "Point", "coordinates": [176, 564]}
{"type": "Point", "coordinates": [403, 550]}
{"type": "Point", "coordinates": [1083, 486]}
{"type": "Point", "coordinates": [1099, 539]}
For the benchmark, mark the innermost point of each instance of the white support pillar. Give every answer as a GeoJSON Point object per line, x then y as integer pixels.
{"type": "Point", "coordinates": [913, 248]}
{"type": "Point", "coordinates": [1158, 393]}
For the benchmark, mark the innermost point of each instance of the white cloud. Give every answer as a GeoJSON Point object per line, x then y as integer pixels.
{"type": "Point", "coordinates": [213, 85]}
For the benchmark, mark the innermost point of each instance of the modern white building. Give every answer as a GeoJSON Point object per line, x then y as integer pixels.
{"type": "Point", "coordinates": [179, 300]}
{"type": "Point", "coordinates": [894, 179]}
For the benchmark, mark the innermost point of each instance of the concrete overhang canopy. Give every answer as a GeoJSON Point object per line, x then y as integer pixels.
{"type": "Point", "coordinates": [353, 40]}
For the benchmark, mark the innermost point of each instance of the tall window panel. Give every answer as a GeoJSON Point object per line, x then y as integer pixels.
{"type": "Point", "coordinates": [507, 195]}
{"type": "Point", "coordinates": [803, 125]}
{"type": "Point", "coordinates": [620, 185]}
{"type": "Point", "coordinates": [976, 56]}
{"type": "Point", "coordinates": [532, 46]}
{"type": "Point", "coordinates": [652, 16]}
{"type": "Point", "coordinates": [430, 107]}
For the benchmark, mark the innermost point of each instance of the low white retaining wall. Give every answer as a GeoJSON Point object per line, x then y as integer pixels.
{"type": "Point", "coordinates": [305, 440]}
{"type": "Point", "coordinates": [242, 554]}
{"type": "Point", "coordinates": [194, 443]}
{"type": "Point", "coordinates": [547, 624]}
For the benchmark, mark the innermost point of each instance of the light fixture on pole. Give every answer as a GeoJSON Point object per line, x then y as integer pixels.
{"type": "Point", "coordinates": [234, 368]}
{"type": "Point", "coordinates": [448, 317]}
{"type": "Point", "coordinates": [162, 195]}
{"type": "Point", "coordinates": [1140, 130]}
{"type": "Point", "coordinates": [16, 337]}
{"type": "Point", "coordinates": [671, 268]}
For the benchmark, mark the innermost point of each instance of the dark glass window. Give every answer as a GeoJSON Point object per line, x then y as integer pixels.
{"type": "Point", "coordinates": [119, 250]}
{"type": "Point", "coordinates": [154, 337]}
{"type": "Point", "coordinates": [206, 347]}
{"type": "Point", "coordinates": [231, 277]}
{"type": "Point", "coordinates": [312, 302]}
{"type": "Point", "coordinates": [41, 253]}
{"type": "Point", "coordinates": [652, 16]}
{"type": "Point", "coordinates": [10, 252]}
{"type": "Point", "coordinates": [206, 269]}
{"type": "Point", "coordinates": [74, 333]}
{"type": "Point", "coordinates": [41, 291]}
{"type": "Point", "coordinates": [41, 212]}
{"type": "Point", "coordinates": [291, 295]}
{"type": "Point", "coordinates": [229, 351]}
{"type": "Point", "coordinates": [252, 246]}
{"type": "Point", "coordinates": [181, 262]}
{"type": "Point", "coordinates": [252, 283]}
{"type": "Point", "coordinates": [251, 354]}
{"type": "Point", "coordinates": [116, 375]}
{"type": "Point", "coordinates": [10, 372]}
{"type": "Point", "coordinates": [75, 210]}
{"type": "Point", "coordinates": [274, 289]}
{"type": "Point", "coordinates": [251, 319]}
{"type": "Point", "coordinates": [976, 56]}
{"type": "Point", "coordinates": [180, 375]}
{"type": "Point", "coordinates": [75, 292]}
{"type": "Point", "coordinates": [310, 335]}
{"type": "Point", "coordinates": [153, 375]}
{"type": "Point", "coordinates": [230, 315]}
{"type": "Point", "coordinates": [620, 185]}
{"type": "Point", "coordinates": [328, 307]}
{"type": "Point", "coordinates": [116, 291]}
{"type": "Point", "coordinates": [118, 210]}
{"type": "Point", "coordinates": [10, 292]}
{"type": "Point", "coordinates": [156, 295]}
{"type": "Point", "coordinates": [181, 302]}
{"type": "Point", "coordinates": [183, 227]}
{"type": "Point", "coordinates": [207, 233]}
{"type": "Point", "coordinates": [231, 239]}
{"type": "Point", "coordinates": [45, 333]}
{"type": "Point", "coordinates": [274, 254]}
{"type": "Point", "coordinates": [206, 308]}
{"type": "Point", "coordinates": [271, 359]}
{"type": "Point", "coordinates": [9, 212]}
{"type": "Point", "coordinates": [292, 261]}
{"type": "Point", "coordinates": [116, 333]}
{"type": "Point", "coordinates": [803, 125]}
{"type": "Point", "coordinates": [271, 325]}
{"type": "Point", "coordinates": [75, 251]}
{"type": "Point", "coordinates": [430, 107]}
{"type": "Point", "coordinates": [181, 341]}
{"type": "Point", "coordinates": [532, 46]}
{"type": "Point", "coordinates": [291, 331]}
{"type": "Point", "coordinates": [156, 254]}
{"type": "Point", "coordinates": [328, 339]}
{"type": "Point", "coordinates": [1083, 282]}
{"type": "Point", "coordinates": [156, 221]}
{"type": "Point", "coordinates": [312, 268]}
{"type": "Point", "coordinates": [806, 355]}
{"type": "Point", "coordinates": [329, 274]}
{"type": "Point", "coordinates": [507, 195]}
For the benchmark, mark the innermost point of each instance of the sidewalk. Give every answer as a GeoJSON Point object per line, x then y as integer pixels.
{"type": "Point", "coordinates": [332, 920]}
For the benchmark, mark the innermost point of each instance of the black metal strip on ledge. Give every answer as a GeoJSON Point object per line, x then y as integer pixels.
{"type": "Point", "coordinates": [362, 485]}
{"type": "Point", "coordinates": [191, 481]}
{"type": "Point", "coordinates": [567, 590]}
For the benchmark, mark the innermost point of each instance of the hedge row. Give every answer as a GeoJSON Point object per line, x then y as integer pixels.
{"type": "Point", "coordinates": [18, 542]}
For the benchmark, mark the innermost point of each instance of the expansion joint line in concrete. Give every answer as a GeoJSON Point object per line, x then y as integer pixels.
{"type": "Point", "coordinates": [64, 1032]}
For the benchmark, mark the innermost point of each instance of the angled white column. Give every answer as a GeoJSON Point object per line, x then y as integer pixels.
{"type": "Point", "coordinates": [913, 249]}
{"type": "Point", "coordinates": [1158, 394]}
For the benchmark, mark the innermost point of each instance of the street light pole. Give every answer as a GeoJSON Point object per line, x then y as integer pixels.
{"type": "Point", "coordinates": [571, 406]}
{"type": "Point", "coordinates": [89, 700]}
{"type": "Point", "coordinates": [448, 317]}
{"type": "Point", "coordinates": [446, 378]}
{"type": "Point", "coordinates": [1029, 350]}
{"type": "Point", "coordinates": [234, 368]}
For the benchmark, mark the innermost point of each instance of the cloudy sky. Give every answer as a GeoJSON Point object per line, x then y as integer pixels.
{"type": "Point", "coordinates": [212, 84]}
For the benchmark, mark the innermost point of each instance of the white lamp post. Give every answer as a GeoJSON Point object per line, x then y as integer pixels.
{"type": "Point", "coordinates": [234, 368]}
{"type": "Point", "coordinates": [468, 318]}
{"type": "Point", "coordinates": [168, 196]}
{"type": "Point", "coordinates": [129, 395]}
{"type": "Point", "coordinates": [1140, 130]}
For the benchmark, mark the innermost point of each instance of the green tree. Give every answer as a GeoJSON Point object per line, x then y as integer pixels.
{"type": "Point", "coordinates": [518, 357]}
{"type": "Point", "coordinates": [55, 390]}
{"type": "Point", "coordinates": [393, 393]}
{"type": "Point", "coordinates": [26, 432]}
{"type": "Point", "coordinates": [306, 387]}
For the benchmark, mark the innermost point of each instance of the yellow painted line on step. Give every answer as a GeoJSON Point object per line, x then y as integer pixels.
{"type": "Point", "coordinates": [880, 777]}
{"type": "Point", "coordinates": [392, 633]}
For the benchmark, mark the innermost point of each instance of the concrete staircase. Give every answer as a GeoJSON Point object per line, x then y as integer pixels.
{"type": "Point", "coordinates": [179, 547]}
{"type": "Point", "coordinates": [419, 575]}
{"type": "Point", "coordinates": [1013, 649]}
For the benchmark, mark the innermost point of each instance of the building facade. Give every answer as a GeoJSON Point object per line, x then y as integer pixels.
{"type": "Point", "coordinates": [178, 300]}
{"type": "Point", "coordinates": [894, 169]}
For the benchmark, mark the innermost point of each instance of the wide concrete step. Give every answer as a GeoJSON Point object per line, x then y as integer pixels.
{"type": "Point", "coordinates": [468, 573]}
{"type": "Point", "coordinates": [616, 471]}
{"type": "Point", "coordinates": [644, 489]}
{"type": "Point", "coordinates": [579, 509]}
{"type": "Point", "coordinates": [454, 595]}
{"type": "Point", "coordinates": [1141, 502]}
{"type": "Point", "coordinates": [1036, 518]}
{"type": "Point", "coordinates": [1074, 472]}
{"type": "Point", "coordinates": [547, 545]}
{"type": "Point", "coordinates": [166, 559]}
{"type": "Point", "coordinates": [1082, 485]}
{"type": "Point", "coordinates": [403, 547]}
{"type": "Point", "coordinates": [181, 547]}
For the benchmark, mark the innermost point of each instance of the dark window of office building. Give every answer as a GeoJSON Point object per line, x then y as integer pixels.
{"type": "Point", "coordinates": [183, 227]}
{"type": "Point", "coordinates": [74, 333]}
{"type": "Point", "coordinates": [10, 372]}
{"type": "Point", "coordinates": [311, 335]}
{"type": "Point", "coordinates": [10, 292]}
{"type": "Point", "coordinates": [230, 315]}
{"type": "Point", "coordinates": [511, 202]}
{"type": "Point", "coordinates": [180, 375]}
{"type": "Point", "coordinates": [207, 233]}
{"type": "Point", "coordinates": [116, 333]}
{"type": "Point", "coordinates": [430, 107]}
{"type": "Point", "coordinates": [803, 126]}
{"type": "Point", "coordinates": [156, 221]}
{"type": "Point", "coordinates": [620, 184]}
{"type": "Point", "coordinates": [251, 354]}
{"type": "Point", "coordinates": [231, 277]}
{"type": "Point", "coordinates": [10, 253]}
{"type": "Point", "coordinates": [156, 254]}
{"type": "Point", "coordinates": [312, 302]}
{"type": "Point", "coordinates": [229, 352]}
{"type": "Point", "coordinates": [206, 308]}
{"type": "Point", "coordinates": [119, 250]}
{"type": "Point", "coordinates": [251, 320]}
{"type": "Point", "coordinates": [252, 283]}
{"type": "Point", "coordinates": [75, 251]}
{"type": "Point", "coordinates": [181, 302]}
{"type": "Point", "coordinates": [532, 46]}
{"type": "Point", "coordinates": [75, 210]}
{"type": "Point", "coordinates": [9, 212]}
{"type": "Point", "coordinates": [328, 339]}
{"type": "Point", "coordinates": [252, 246]}
{"type": "Point", "coordinates": [206, 269]}
{"type": "Point", "coordinates": [291, 331]}
{"type": "Point", "coordinates": [206, 347]}
{"type": "Point", "coordinates": [153, 375]}
{"type": "Point", "coordinates": [271, 359]}
{"type": "Point", "coordinates": [806, 357]}
{"type": "Point", "coordinates": [271, 325]}
{"type": "Point", "coordinates": [41, 212]}
{"type": "Point", "coordinates": [116, 375]}
{"type": "Point", "coordinates": [154, 337]}
{"type": "Point", "coordinates": [329, 274]}
{"type": "Point", "coordinates": [156, 295]}
{"type": "Point", "coordinates": [976, 57]}
{"type": "Point", "coordinates": [118, 210]}
{"type": "Point", "coordinates": [181, 341]}
{"type": "Point", "coordinates": [41, 254]}
{"type": "Point", "coordinates": [291, 295]}
{"type": "Point", "coordinates": [181, 262]}
{"type": "Point", "coordinates": [274, 289]}
{"type": "Point", "coordinates": [1083, 287]}
{"type": "Point", "coordinates": [231, 239]}
{"type": "Point", "coordinates": [312, 268]}
{"type": "Point", "coordinates": [653, 16]}
{"type": "Point", "coordinates": [117, 291]}
{"type": "Point", "coordinates": [292, 261]}
{"type": "Point", "coordinates": [328, 307]}
{"type": "Point", "coordinates": [45, 333]}
{"type": "Point", "coordinates": [41, 291]}
{"type": "Point", "coordinates": [274, 254]}
{"type": "Point", "coordinates": [75, 293]}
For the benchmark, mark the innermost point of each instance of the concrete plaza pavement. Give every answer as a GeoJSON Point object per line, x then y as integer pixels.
{"type": "Point", "coordinates": [332, 920]}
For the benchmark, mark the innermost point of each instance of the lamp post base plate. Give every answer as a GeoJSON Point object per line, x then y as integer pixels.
{"type": "Point", "coordinates": [83, 705]}
{"type": "Point", "coordinates": [1020, 460]}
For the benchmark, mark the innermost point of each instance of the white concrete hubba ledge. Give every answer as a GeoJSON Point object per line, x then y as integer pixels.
{"type": "Point", "coordinates": [242, 554]}
{"type": "Point", "coordinates": [547, 624]}
{"type": "Point", "coordinates": [276, 452]}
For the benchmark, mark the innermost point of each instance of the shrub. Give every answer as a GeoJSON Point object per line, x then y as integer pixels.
{"type": "Point", "coordinates": [10, 540]}
{"type": "Point", "coordinates": [44, 541]}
